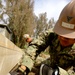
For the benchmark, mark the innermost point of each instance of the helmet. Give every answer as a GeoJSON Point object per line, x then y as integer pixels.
{"type": "Point", "coordinates": [26, 36]}
{"type": "Point", "coordinates": [65, 26]}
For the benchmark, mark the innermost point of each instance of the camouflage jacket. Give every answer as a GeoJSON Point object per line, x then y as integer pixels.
{"type": "Point", "coordinates": [62, 56]}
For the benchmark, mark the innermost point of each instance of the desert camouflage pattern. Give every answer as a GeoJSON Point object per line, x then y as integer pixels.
{"type": "Point", "coordinates": [63, 57]}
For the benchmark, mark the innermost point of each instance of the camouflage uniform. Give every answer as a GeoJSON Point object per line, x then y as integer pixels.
{"type": "Point", "coordinates": [64, 57]}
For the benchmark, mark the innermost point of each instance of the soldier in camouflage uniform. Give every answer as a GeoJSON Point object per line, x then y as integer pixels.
{"type": "Point", "coordinates": [61, 43]}
{"type": "Point", "coordinates": [27, 39]}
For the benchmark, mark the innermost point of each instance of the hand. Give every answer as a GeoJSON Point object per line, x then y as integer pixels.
{"type": "Point", "coordinates": [22, 67]}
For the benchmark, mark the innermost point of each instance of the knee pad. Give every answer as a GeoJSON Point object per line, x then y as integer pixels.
{"type": "Point", "coordinates": [47, 70]}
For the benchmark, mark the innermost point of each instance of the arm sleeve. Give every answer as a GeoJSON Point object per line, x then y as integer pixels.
{"type": "Point", "coordinates": [39, 44]}
{"type": "Point", "coordinates": [74, 63]}
{"type": "Point", "coordinates": [36, 47]}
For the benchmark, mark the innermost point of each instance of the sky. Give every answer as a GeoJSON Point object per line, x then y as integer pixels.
{"type": "Point", "coordinates": [53, 8]}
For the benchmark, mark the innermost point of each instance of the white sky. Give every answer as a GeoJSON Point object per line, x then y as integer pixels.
{"type": "Point", "coordinates": [53, 8]}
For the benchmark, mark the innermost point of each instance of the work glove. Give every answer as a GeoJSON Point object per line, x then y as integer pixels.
{"type": "Point", "coordinates": [21, 70]}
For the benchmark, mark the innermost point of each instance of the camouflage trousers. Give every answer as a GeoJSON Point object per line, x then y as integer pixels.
{"type": "Point", "coordinates": [70, 71]}
{"type": "Point", "coordinates": [27, 61]}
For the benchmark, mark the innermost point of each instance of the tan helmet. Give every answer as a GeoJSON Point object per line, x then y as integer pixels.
{"type": "Point", "coordinates": [65, 25]}
{"type": "Point", "coordinates": [26, 36]}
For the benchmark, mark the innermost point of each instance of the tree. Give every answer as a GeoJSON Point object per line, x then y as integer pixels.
{"type": "Point", "coordinates": [51, 23]}
{"type": "Point", "coordinates": [41, 23]}
{"type": "Point", "coordinates": [21, 19]}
